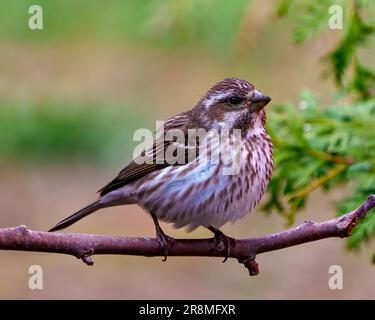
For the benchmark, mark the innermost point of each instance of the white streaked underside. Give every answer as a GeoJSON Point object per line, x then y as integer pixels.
{"type": "Point", "coordinates": [183, 196]}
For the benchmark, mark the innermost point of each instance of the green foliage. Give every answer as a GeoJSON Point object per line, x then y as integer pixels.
{"type": "Point", "coordinates": [322, 146]}
{"type": "Point", "coordinates": [362, 81]}
{"type": "Point", "coordinates": [209, 24]}
{"type": "Point", "coordinates": [310, 17]}
{"type": "Point", "coordinates": [313, 21]}
{"type": "Point", "coordinates": [313, 18]}
{"type": "Point", "coordinates": [52, 132]}
{"type": "Point", "coordinates": [345, 54]}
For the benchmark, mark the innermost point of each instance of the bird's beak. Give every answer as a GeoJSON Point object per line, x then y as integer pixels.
{"type": "Point", "coordinates": [258, 100]}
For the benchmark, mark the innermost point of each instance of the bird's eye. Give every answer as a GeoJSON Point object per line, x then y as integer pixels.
{"type": "Point", "coordinates": [235, 100]}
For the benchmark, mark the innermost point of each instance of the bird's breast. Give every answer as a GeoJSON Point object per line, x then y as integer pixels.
{"type": "Point", "coordinates": [204, 193]}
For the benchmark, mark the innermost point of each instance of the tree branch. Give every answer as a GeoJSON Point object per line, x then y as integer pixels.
{"type": "Point", "coordinates": [83, 246]}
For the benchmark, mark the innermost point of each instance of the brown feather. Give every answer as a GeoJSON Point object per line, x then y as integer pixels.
{"type": "Point", "coordinates": [135, 170]}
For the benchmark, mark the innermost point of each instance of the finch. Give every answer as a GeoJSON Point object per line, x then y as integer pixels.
{"type": "Point", "coordinates": [192, 190]}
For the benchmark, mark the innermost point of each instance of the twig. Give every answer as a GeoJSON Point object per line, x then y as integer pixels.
{"type": "Point", "coordinates": [330, 157]}
{"type": "Point", "coordinates": [316, 183]}
{"type": "Point", "coordinates": [83, 246]}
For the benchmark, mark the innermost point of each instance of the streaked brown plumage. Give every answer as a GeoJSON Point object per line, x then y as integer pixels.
{"type": "Point", "coordinates": [196, 191]}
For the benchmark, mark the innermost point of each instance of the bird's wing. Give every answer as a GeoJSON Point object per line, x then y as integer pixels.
{"type": "Point", "coordinates": [139, 167]}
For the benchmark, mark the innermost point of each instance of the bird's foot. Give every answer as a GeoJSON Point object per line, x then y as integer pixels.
{"type": "Point", "coordinates": [165, 241]}
{"type": "Point", "coordinates": [221, 239]}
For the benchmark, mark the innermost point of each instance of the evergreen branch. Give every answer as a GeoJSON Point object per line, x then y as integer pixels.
{"type": "Point", "coordinates": [316, 183]}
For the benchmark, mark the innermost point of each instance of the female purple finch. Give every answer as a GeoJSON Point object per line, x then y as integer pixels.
{"type": "Point", "coordinates": [195, 190]}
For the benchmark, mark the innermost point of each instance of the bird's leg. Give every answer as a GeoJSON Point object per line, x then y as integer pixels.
{"type": "Point", "coordinates": [220, 237]}
{"type": "Point", "coordinates": [164, 240]}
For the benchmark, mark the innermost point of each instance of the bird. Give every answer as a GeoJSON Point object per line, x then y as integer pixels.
{"type": "Point", "coordinates": [192, 190]}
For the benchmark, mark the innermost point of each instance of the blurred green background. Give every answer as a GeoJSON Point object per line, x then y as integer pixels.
{"type": "Point", "coordinates": [72, 94]}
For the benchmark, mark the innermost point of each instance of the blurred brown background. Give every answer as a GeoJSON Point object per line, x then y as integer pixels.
{"type": "Point", "coordinates": [73, 93]}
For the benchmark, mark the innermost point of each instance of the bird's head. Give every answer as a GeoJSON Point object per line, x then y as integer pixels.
{"type": "Point", "coordinates": [233, 103]}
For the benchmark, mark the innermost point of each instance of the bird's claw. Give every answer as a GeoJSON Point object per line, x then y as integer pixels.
{"type": "Point", "coordinates": [221, 238]}
{"type": "Point", "coordinates": [165, 241]}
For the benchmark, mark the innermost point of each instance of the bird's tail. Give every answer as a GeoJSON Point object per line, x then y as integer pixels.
{"type": "Point", "coordinates": [92, 207]}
